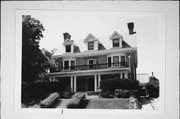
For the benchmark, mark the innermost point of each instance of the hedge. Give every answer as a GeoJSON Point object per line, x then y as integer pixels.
{"type": "Point", "coordinates": [119, 93]}
{"type": "Point", "coordinates": [116, 83]}
{"type": "Point", "coordinates": [77, 100]}
{"type": "Point", "coordinates": [41, 90]}
{"type": "Point", "coordinates": [50, 100]}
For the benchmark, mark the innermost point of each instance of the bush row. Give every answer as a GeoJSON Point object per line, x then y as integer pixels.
{"type": "Point", "coordinates": [50, 100]}
{"type": "Point", "coordinates": [119, 93]}
{"type": "Point", "coordinates": [41, 90]}
{"type": "Point", "coordinates": [77, 100]}
{"type": "Point", "coordinates": [116, 83]}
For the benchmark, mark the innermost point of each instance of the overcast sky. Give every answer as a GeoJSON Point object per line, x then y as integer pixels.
{"type": "Point", "coordinates": [101, 25]}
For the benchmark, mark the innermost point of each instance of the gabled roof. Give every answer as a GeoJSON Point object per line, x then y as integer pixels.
{"type": "Point", "coordinates": [115, 35]}
{"type": "Point", "coordinates": [90, 38]}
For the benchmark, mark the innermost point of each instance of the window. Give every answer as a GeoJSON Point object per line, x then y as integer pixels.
{"type": "Point", "coordinates": [66, 65]}
{"type": "Point", "coordinates": [72, 64]}
{"type": "Point", "coordinates": [91, 64]}
{"type": "Point", "coordinates": [115, 42]}
{"type": "Point", "coordinates": [123, 63]}
{"type": "Point", "coordinates": [90, 45]}
{"type": "Point", "coordinates": [123, 75]}
{"type": "Point", "coordinates": [109, 61]}
{"type": "Point", "coordinates": [68, 48]}
{"type": "Point", "coordinates": [116, 61]}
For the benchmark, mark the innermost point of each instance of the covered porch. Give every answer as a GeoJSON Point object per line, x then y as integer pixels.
{"type": "Point", "coordinates": [83, 81]}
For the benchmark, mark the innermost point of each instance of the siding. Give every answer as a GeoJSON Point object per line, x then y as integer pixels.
{"type": "Point", "coordinates": [80, 62]}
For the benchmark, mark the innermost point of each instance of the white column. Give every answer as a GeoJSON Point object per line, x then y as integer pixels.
{"type": "Point", "coordinates": [71, 83]}
{"type": "Point", "coordinates": [99, 80]}
{"type": "Point", "coordinates": [74, 83]}
{"type": "Point", "coordinates": [121, 76]}
{"type": "Point", "coordinates": [126, 76]}
{"type": "Point", "coordinates": [95, 83]}
{"type": "Point", "coordinates": [53, 79]}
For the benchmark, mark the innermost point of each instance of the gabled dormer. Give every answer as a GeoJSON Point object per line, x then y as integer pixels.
{"type": "Point", "coordinates": [117, 39]}
{"type": "Point", "coordinates": [91, 42]}
{"type": "Point", "coordinates": [68, 43]}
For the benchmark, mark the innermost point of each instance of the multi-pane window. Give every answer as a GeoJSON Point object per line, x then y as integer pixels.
{"type": "Point", "coordinates": [115, 42]}
{"type": "Point", "coordinates": [91, 45]}
{"type": "Point", "coordinates": [109, 61]}
{"type": "Point", "coordinates": [68, 48]}
{"type": "Point", "coordinates": [66, 65]}
{"type": "Point", "coordinates": [72, 64]}
{"type": "Point", "coordinates": [123, 61]}
{"type": "Point", "coordinates": [91, 62]}
{"type": "Point", "coordinates": [116, 61]}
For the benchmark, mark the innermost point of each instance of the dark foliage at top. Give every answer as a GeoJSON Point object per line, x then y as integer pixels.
{"type": "Point", "coordinates": [116, 83]}
{"type": "Point", "coordinates": [153, 87]}
{"type": "Point", "coordinates": [33, 60]}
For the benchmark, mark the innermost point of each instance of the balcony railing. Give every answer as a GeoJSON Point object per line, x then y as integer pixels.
{"type": "Point", "coordinates": [90, 67]}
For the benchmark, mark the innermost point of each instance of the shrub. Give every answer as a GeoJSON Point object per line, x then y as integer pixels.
{"type": "Point", "coordinates": [134, 103]}
{"type": "Point", "coordinates": [77, 100]}
{"type": "Point", "coordinates": [119, 93]}
{"type": "Point", "coordinates": [50, 100]}
{"type": "Point", "coordinates": [116, 83]}
{"type": "Point", "coordinates": [107, 94]}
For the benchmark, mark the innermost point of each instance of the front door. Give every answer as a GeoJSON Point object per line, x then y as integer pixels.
{"type": "Point", "coordinates": [85, 83]}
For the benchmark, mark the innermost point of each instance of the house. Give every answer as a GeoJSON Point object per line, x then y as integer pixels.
{"type": "Point", "coordinates": [83, 71]}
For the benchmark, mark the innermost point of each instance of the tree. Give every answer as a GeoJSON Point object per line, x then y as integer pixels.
{"type": "Point", "coordinates": [51, 60]}
{"type": "Point", "coordinates": [33, 60]}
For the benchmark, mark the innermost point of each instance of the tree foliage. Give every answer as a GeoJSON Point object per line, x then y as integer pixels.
{"type": "Point", "coordinates": [48, 55]}
{"type": "Point", "coordinates": [33, 60]}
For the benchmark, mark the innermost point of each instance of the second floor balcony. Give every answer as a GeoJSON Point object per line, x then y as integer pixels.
{"type": "Point", "coordinates": [89, 67]}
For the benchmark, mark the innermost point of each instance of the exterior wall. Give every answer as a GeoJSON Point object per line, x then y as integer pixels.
{"type": "Point", "coordinates": [80, 62]}
{"type": "Point", "coordinates": [84, 61]}
{"type": "Point", "coordinates": [102, 60]}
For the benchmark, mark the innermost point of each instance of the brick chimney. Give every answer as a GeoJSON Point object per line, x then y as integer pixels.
{"type": "Point", "coordinates": [66, 36]}
{"type": "Point", "coordinates": [131, 28]}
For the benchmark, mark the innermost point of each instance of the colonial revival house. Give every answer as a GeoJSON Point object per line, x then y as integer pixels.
{"type": "Point", "coordinates": [83, 71]}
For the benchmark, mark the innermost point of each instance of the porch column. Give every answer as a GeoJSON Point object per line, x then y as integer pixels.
{"type": "Point", "coordinates": [99, 80]}
{"type": "Point", "coordinates": [126, 76]}
{"type": "Point", "coordinates": [74, 83]}
{"type": "Point", "coordinates": [121, 76]}
{"type": "Point", "coordinates": [71, 83]}
{"type": "Point", "coordinates": [53, 79]}
{"type": "Point", "coordinates": [95, 83]}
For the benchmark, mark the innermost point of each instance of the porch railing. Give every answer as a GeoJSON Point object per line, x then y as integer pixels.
{"type": "Point", "coordinates": [90, 67]}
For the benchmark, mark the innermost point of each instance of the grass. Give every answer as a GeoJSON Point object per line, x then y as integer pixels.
{"type": "Point", "coordinates": [107, 103]}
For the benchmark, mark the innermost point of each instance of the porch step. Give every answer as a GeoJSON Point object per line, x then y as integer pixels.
{"type": "Point", "coordinates": [63, 103]}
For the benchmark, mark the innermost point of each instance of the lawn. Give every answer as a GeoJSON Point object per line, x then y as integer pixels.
{"type": "Point", "coordinates": [107, 103]}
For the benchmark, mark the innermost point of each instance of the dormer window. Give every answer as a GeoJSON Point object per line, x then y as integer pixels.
{"type": "Point", "coordinates": [68, 48]}
{"type": "Point", "coordinates": [116, 39]}
{"type": "Point", "coordinates": [116, 42]}
{"type": "Point", "coordinates": [91, 45]}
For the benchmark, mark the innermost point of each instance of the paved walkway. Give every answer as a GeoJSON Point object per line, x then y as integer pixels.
{"type": "Point", "coordinates": [63, 103]}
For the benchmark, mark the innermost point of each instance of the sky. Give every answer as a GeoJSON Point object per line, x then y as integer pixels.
{"type": "Point", "coordinates": [101, 24]}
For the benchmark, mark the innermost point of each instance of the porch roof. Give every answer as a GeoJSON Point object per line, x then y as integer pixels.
{"type": "Point", "coordinates": [89, 72]}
